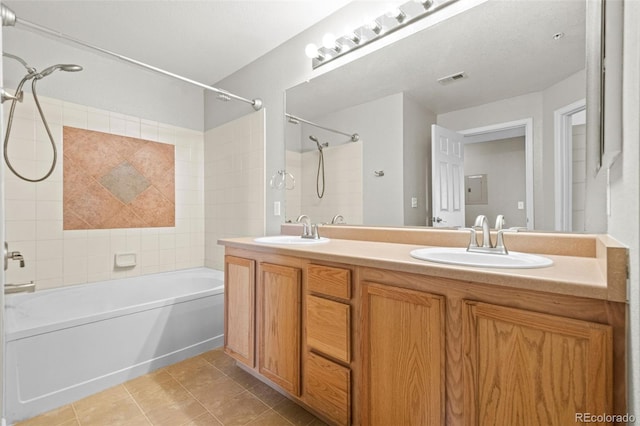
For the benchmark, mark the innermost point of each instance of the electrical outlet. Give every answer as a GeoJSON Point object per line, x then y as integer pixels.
{"type": "Point", "coordinates": [414, 202]}
{"type": "Point", "coordinates": [520, 205]}
{"type": "Point", "coordinates": [276, 208]}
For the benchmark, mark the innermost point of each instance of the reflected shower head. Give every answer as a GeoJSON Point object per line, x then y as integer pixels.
{"type": "Point", "coordinates": [63, 67]}
{"type": "Point", "coordinates": [313, 138]}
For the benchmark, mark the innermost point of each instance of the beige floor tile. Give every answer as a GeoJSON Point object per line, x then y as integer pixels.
{"type": "Point", "coordinates": [150, 401]}
{"type": "Point", "coordinates": [270, 418]}
{"type": "Point", "coordinates": [186, 367]}
{"type": "Point", "coordinates": [151, 382]}
{"type": "Point", "coordinates": [204, 420]}
{"type": "Point", "coordinates": [122, 412]}
{"type": "Point", "coordinates": [56, 417]}
{"type": "Point", "coordinates": [200, 378]}
{"type": "Point", "coordinates": [243, 378]}
{"type": "Point", "coordinates": [266, 394]}
{"type": "Point", "coordinates": [220, 360]}
{"type": "Point", "coordinates": [101, 399]}
{"type": "Point", "coordinates": [294, 413]}
{"type": "Point", "coordinates": [221, 389]}
{"type": "Point", "coordinates": [237, 410]}
{"type": "Point", "coordinates": [176, 412]}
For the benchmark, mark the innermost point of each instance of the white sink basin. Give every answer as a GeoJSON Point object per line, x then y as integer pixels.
{"type": "Point", "coordinates": [460, 256]}
{"type": "Point", "coordinates": [290, 239]}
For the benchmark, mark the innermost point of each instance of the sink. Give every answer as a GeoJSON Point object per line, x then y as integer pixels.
{"type": "Point", "coordinates": [460, 256]}
{"type": "Point", "coordinates": [290, 239]}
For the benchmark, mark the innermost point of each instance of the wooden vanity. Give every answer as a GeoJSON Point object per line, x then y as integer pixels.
{"type": "Point", "coordinates": [361, 333]}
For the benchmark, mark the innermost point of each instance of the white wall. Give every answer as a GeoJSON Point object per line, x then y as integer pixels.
{"type": "Point", "coordinates": [623, 221]}
{"type": "Point", "coordinates": [417, 161]}
{"type": "Point", "coordinates": [33, 218]}
{"type": "Point", "coordinates": [503, 161]}
{"type": "Point", "coordinates": [233, 183]}
{"type": "Point", "coordinates": [540, 107]}
{"type": "Point", "coordinates": [105, 83]}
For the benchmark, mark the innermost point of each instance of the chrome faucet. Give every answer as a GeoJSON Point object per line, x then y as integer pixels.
{"type": "Point", "coordinates": [337, 219]}
{"type": "Point", "coordinates": [309, 230]}
{"type": "Point", "coordinates": [483, 223]}
{"type": "Point", "coordinates": [487, 246]}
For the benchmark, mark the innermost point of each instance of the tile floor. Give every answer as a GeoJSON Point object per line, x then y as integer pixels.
{"type": "Point", "coordinates": [207, 390]}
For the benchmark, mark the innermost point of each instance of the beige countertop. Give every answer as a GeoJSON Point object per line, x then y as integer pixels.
{"type": "Point", "coordinates": [601, 276]}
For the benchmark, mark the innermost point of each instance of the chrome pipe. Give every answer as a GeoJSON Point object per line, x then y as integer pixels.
{"type": "Point", "coordinates": [296, 120]}
{"type": "Point", "coordinates": [256, 103]}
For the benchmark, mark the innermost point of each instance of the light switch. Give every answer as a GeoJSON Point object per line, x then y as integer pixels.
{"type": "Point", "coordinates": [520, 205]}
{"type": "Point", "coordinates": [276, 208]}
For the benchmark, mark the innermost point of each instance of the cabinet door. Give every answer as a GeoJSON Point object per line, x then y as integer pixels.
{"type": "Point", "coordinates": [529, 368]}
{"type": "Point", "coordinates": [239, 308]}
{"type": "Point", "coordinates": [403, 357]}
{"type": "Point", "coordinates": [279, 325]}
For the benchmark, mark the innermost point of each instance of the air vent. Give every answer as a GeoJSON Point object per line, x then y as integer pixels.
{"type": "Point", "coordinates": [453, 77]}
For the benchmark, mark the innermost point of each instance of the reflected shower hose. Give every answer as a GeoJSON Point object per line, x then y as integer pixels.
{"type": "Point", "coordinates": [320, 164]}
{"type": "Point", "coordinates": [46, 126]}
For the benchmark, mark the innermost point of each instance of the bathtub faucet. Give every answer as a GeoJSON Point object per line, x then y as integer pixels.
{"type": "Point", "coordinates": [29, 287]}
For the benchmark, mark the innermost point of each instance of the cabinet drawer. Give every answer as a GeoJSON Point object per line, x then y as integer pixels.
{"type": "Point", "coordinates": [329, 281]}
{"type": "Point", "coordinates": [328, 325]}
{"type": "Point", "coordinates": [327, 388]}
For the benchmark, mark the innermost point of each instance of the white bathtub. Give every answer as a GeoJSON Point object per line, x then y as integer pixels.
{"type": "Point", "coordinates": [68, 343]}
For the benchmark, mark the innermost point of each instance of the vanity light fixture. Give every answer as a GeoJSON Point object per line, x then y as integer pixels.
{"type": "Point", "coordinates": [391, 21]}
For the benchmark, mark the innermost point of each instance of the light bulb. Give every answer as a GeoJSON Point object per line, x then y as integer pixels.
{"type": "Point", "coordinates": [329, 41]}
{"type": "Point", "coordinates": [312, 51]}
{"type": "Point", "coordinates": [375, 26]}
{"type": "Point", "coordinates": [397, 14]}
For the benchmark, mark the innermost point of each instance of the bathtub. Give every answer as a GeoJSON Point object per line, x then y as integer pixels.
{"type": "Point", "coordinates": [68, 343]}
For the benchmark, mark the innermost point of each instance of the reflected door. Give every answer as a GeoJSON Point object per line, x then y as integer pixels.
{"type": "Point", "coordinates": [447, 174]}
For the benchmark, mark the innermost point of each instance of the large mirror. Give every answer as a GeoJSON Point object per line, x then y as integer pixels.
{"type": "Point", "coordinates": [506, 78]}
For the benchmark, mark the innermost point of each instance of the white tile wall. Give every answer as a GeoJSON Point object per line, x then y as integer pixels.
{"type": "Point", "coordinates": [343, 184]}
{"type": "Point", "coordinates": [33, 218]}
{"type": "Point", "coordinates": [234, 183]}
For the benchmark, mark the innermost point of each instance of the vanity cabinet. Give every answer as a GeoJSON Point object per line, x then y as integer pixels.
{"type": "Point", "coordinates": [360, 345]}
{"type": "Point", "coordinates": [327, 378]}
{"type": "Point", "coordinates": [279, 325]}
{"type": "Point", "coordinates": [239, 309]}
{"type": "Point", "coordinates": [523, 366]}
{"type": "Point", "coordinates": [403, 366]}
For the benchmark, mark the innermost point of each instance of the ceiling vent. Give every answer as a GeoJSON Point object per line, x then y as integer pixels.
{"type": "Point", "coordinates": [453, 77]}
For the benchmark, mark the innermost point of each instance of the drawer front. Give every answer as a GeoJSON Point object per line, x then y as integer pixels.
{"type": "Point", "coordinates": [329, 281]}
{"type": "Point", "coordinates": [327, 388]}
{"type": "Point", "coordinates": [328, 325]}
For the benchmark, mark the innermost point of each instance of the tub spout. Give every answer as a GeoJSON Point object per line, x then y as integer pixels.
{"type": "Point", "coordinates": [29, 287]}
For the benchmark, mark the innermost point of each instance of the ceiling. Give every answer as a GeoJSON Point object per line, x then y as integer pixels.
{"type": "Point", "coordinates": [204, 40]}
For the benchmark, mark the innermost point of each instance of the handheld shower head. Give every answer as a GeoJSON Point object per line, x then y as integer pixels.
{"type": "Point", "coordinates": [63, 67]}
{"type": "Point", "coordinates": [8, 16]}
{"type": "Point", "coordinates": [315, 139]}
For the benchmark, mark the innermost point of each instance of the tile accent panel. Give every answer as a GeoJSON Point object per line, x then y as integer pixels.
{"type": "Point", "coordinates": [113, 181]}
{"type": "Point", "coordinates": [34, 218]}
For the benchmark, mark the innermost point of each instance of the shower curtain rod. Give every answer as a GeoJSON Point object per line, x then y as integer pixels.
{"type": "Point", "coordinates": [294, 119]}
{"type": "Point", "coordinates": [223, 94]}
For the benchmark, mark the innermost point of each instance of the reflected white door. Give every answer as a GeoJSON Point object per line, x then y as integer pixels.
{"type": "Point", "coordinates": [447, 174]}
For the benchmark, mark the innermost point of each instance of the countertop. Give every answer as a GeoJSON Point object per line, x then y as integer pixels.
{"type": "Point", "coordinates": [601, 276]}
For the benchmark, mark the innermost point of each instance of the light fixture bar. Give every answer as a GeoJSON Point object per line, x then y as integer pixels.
{"type": "Point", "coordinates": [297, 120]}
{"type": "Point", "coordinates": [223, 94]}
{"type": "Point", "coordinates": [380, 27]}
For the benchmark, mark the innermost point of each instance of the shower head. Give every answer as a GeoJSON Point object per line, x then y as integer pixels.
{"type": "Point", "coordinates": [63, 67]}
{"type": "Point", "coordinates": [8, 16]}
{"type": "Point", "coordinates": [315, 139]}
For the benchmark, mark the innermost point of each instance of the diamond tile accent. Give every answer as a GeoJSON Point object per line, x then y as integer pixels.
{"type": "Point", "coordinates": [125, 182]}
{"type": "Point", "coordinates": [112, 181]}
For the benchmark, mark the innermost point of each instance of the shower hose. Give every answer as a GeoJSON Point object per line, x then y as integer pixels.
{"type": "Point", "coordinates": [46, 126]}
{"type": "Point", "coordinates": [320, 164]}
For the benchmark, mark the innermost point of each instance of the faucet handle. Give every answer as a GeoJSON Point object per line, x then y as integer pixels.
{"type": "Point", "coordinates": [472, 240]}
{"type": "Point", "coordinates": [500, 222]}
